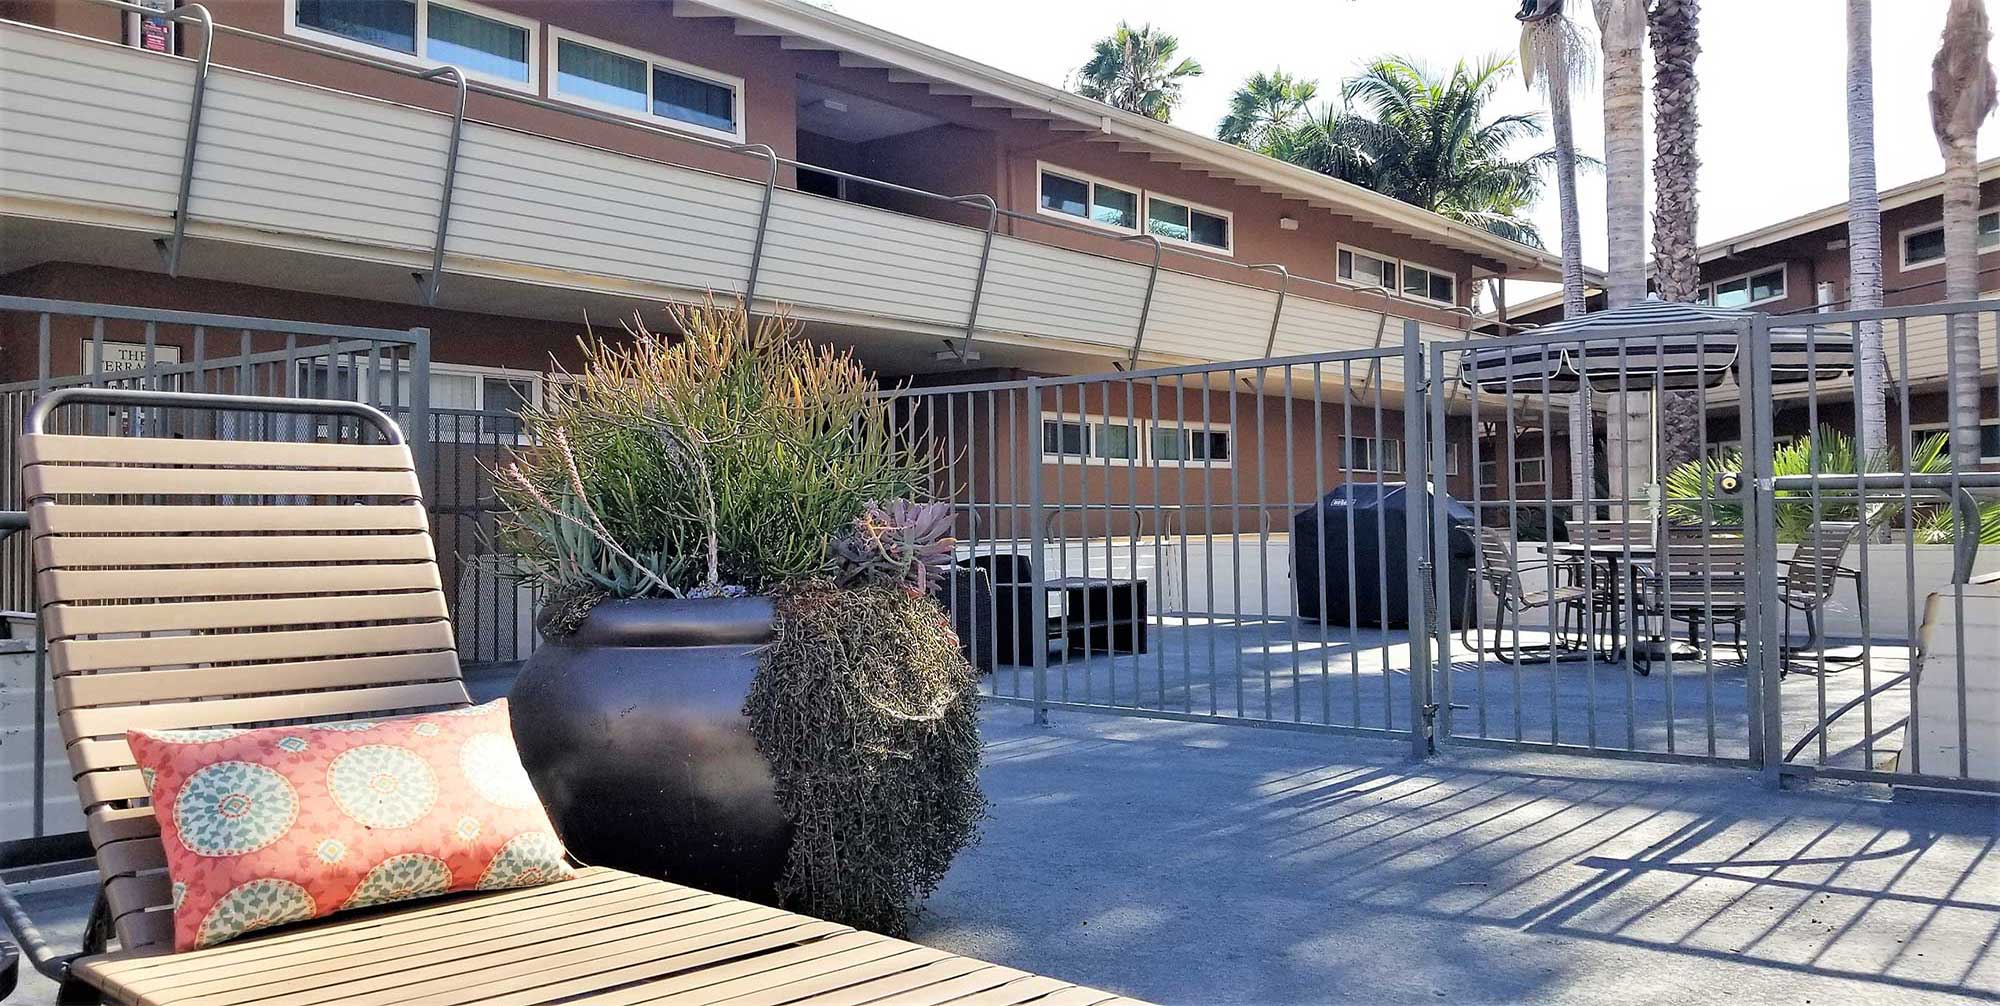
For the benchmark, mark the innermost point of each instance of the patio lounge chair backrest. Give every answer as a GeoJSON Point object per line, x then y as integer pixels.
{"type": "Point", "coordinates": [177, 593]}
{"type": "Point", "coordinates": [1814, 569]}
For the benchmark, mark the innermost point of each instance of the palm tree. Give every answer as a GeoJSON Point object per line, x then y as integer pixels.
{"type": "Point", "coordinates": [1268, 104]}
{"type": "Point", "coordinates": [1553, 51]}
{"type": "Point", "coordinates": [1135, 69]}
{"type": "Point", "coordinates": [1676, 39]}
{"type": "Point", "coordinates": [1622, 31]}
{"type": "Point", "coordinates": [1408, 133]}
{"type": "Point", "coordinates": [1864, 231]}
{"type": "Point", "coordinates": [1962, 94]}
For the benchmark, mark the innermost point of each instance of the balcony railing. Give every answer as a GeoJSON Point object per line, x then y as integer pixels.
{"type": "Point", "coordinates": [213, 152]}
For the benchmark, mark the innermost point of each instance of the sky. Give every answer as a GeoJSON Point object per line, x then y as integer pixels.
{"type": "Point", "coordinates": [1773, 139]}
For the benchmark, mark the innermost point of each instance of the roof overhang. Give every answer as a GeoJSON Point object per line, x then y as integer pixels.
{"type": "Point", "coordinates": [798, 25]}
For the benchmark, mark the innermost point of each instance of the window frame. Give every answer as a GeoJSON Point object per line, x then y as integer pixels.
{"type": "Point", "coordinates": [1706, 293]}
{"type": "Point", "coordinates": [1903, 240]}
{"type": "Point", "coordinates": [1926, 429]}
{"type": "Point", "coordinates": [556, 35]}
{"type": "Point", "coordinates": [1403, 269]}
{"type": "Point", "coordinates": [1184, 428]}
{"type": "Point", "coordinates": [1228, 221]}
{"type": "Point", "coordinates": [1342, 246]}
{"type": "Point", "coordinates": [533, 85]}
{"type": "Point", "coordinates": [1090, 455]}
{"type": "Point", "coordinates": [1090, 182]}
{"type": "Point", "coordinates": [1375, 450]}
{"type": "Point", "coordinates": [1542, 476]}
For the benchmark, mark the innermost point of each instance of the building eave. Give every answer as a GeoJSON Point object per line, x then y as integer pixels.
{"type": "Point", "coordinates": [800, 25]}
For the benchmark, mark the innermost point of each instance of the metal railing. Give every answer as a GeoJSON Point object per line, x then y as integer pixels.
{"type": "Point", "coordinates": [1156, 250]}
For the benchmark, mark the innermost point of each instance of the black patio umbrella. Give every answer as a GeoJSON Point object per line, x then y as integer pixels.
{"type": "Point", "coordinates": [1651, 363]}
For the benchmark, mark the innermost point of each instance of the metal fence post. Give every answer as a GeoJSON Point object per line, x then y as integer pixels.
{"type": "Point", "coordinates": [1765, 720]}
{"type": "Point", "coordinates": [763, 218]}
{"type": "Point", "coordinates": [1038, 598]}
{"type": "Point", "coordinates": [421, 438]}
{"type": "Point", "coordinates": [1417, 552]}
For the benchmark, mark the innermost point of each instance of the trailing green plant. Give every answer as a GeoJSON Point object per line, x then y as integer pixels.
{"type": "Point", "coordinates": [897, 543]}
{"type": "Point", "coordinates": [1693, 499]}
{"type": "Point", "coordinates": [866, 711]}
{"type": "Point", "coordinates": [729, 457]}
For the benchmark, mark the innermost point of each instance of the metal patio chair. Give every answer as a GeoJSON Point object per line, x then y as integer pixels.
{"type": "Point", "coordinates": [235, 607]}
{"type": "Point", "coordinates": [1501, 568]}
{"type": "Point", "coordinates": [1703, 584]}
{"type": "Point", "coordinates": [1811, 575]}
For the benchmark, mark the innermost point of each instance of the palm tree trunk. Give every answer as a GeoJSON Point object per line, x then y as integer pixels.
{"type": "Point", "coordinates": [1628, 429]}
{"type": "Point", "coordinates": [1961, 283]}
{"type": "Point", "coordinates": [1962, 95]}
{"type": "Point", "coordinates": [1675, 26]}
{"type": "Point", "coordinates": [1864, 234]}
{"type": "Point", "coordinates": [1575, 298]}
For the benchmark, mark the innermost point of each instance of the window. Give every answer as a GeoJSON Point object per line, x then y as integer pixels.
{"type": "Point", "coordinates": [1451, 466]}
{"type": "Point", "coordinates": [1425, 283]}
{"type": "Point", "coordinates": [1366, 268]}
{"type": "Point", "coordinates": [1989, 437]}
{"type": "Point", "coordinates": [1071, 438]}
{"type": "Point", "coordinates": [486, 44]}
{"type": "Point", "coordinates": [1190, 446]}
{"type": "Point", "coordinates": [1075, 195]}
{"type": "Point", "coordinates": [1172, 220]}
{"type": "Point", "coordinates": [468, 404]}
{"type": "Point", "coordinates": [1529, 471]}
{"type": "Point", "coordinates": [1372, 454]}
{"type": "Point", "coordinates": [629, 82]}
{"type": "Point", "coordinates": [1923, 246]}
{"type": "Point", "coordinates": [1747, 290]}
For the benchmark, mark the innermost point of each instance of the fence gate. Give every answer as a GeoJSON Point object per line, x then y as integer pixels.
{"type": "Point", "coordinates": [1880, 630]}
{"type": "Point", "coordinates": [53, 344]}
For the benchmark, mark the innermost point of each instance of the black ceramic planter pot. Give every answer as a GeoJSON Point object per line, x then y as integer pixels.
{"type": "Point", "coordinates": [632, 729]}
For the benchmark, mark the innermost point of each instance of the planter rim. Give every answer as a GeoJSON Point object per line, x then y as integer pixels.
{"type": "Point", "coordinates": [673, 621]}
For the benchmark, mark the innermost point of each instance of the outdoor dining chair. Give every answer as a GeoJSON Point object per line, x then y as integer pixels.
{"type": "Point", "coordinates": [1811, 574]}
{"type": "Point", "coordinates": [200, 583]}
{"type": "Point", "coordinates": [1701, 583]}
{"type": "Point", "coordinates": [1502, 569]}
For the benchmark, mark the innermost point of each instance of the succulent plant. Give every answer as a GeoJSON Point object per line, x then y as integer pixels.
{"type": "Point", "coordinates": [894, 543]}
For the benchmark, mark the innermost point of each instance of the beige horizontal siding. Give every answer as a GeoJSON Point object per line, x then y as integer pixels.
{"type": "Point", "coordinates": [102, 125]}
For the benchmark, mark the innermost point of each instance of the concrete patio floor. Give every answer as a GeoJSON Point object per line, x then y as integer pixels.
{"type": "Point", "coordinates": [1206, 863]}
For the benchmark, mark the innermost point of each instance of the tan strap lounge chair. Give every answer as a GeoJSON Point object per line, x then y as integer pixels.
{"type": "Point", "coordinates": [202, 583]}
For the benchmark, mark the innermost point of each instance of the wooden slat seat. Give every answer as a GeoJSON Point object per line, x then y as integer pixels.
{"type": "Point", "coordinates": [191, 583]}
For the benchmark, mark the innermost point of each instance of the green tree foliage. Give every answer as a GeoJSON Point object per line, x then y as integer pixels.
{"type": "Point", "coordinates": [1692, 498]}
{"type": "Point", "coordinates": [1137, 69]}
{"type": "Point", "coordinates": [1404, 131]}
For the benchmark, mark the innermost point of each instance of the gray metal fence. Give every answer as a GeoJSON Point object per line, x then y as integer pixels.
{"type": "Point", "coordinates": [53, 344]}
{"type": "Point", "coordinates": [1189, 543]}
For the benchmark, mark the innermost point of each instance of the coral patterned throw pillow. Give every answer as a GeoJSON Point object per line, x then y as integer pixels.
{"type": "Point", "coordinates": [281, 824]}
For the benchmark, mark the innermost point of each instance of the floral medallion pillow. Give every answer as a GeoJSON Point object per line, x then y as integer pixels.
{"type": "Point", "coordinates": [281, 824]}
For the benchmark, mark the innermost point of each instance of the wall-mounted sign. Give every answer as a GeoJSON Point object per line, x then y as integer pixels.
{"type": "Point", "coordinates": [123, 356]}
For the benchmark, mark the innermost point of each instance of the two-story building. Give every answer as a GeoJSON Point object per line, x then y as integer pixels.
{"type": "Point", "coordinates": [949, 221]}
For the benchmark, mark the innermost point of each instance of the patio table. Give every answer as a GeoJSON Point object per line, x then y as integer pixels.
{"type": "Point", "coordinates": [1622, 562]}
